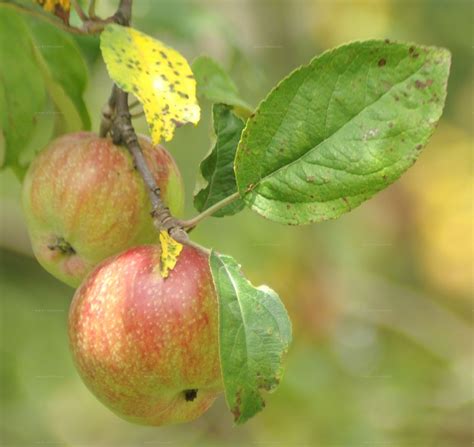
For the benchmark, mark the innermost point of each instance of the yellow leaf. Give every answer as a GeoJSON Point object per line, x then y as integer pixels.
{"type": "Point", "coordinates": [59, 8]}
{"type": "Point", "coordinates": [170, 250]}
{"type": "Point", "coordinates": [157, 75]}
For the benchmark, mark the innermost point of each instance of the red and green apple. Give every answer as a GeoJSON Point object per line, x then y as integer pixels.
{"type": "Point", "coordinates": [84, 201]}
{"type": "Point", "coordinates": [146, 346]}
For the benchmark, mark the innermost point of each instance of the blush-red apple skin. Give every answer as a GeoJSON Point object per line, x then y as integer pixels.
{"type": "Point", "coordinates": [147, 347]}
{"type": "Point", "coordinates": [84, 201]}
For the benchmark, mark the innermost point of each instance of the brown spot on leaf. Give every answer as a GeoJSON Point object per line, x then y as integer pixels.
{"type": "Point", "coordinates": [238, 401]}
{"type": "Point", "coordinates": [421, 85]}
{"type": "Point", "coordinates": [381, 62]}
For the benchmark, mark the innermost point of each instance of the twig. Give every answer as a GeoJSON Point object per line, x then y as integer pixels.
{"type": "Point", "coordinates": [91, 25]}
{"type": "Point", "coordinates": [123, 132]}
{"type": "Point", "coordinates": [108, 114]}
{"type": "Point", "coordinates": [138, 114]}
{"type": "Point", "coordinates": [134, 104]}
{"type": "Point", "coordinates": [191, 223]}
{"type": "Point", "coordinates": [198, 246]}
{"type": "Point", "coordinates": [47, 17]}
{"type": "Point", "coordinates": [117, 110]}
{"type": "Point", "coordinates": [91, 10]}
{"type": "Point", "coordinates": [123, 15]}
{"type": "Point", "coordinates": [80, 12]}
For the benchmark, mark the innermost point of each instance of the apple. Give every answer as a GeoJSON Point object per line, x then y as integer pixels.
{"type": "Point", "coordinates": [84, 201]}
{"type": "Point", "coordinates": [147, 347]}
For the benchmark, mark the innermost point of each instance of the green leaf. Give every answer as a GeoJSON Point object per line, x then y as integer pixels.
{"type": "Point", "coordinates": [64, 72]}
{"type": "Point", "coordinates": [254, 335]}
{"type": "Point", "coordinates": [340, 129]}
{"type": "Point", "coordinates": [39, 59]}
{"type": "Point", "coordinates": [23, 93]}
{"type": "Point", "coordinates": [217, 169]}
{"type": "Point", "coordinates": [214, 84]}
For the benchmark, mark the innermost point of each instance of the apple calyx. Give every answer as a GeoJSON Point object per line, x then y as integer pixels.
{"type": "Point", "coordinates": [63, 246]}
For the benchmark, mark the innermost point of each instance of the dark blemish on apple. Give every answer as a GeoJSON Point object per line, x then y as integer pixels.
{"type": "Point", "coordinates": [381, 62]}
{"type": "Point", "coordinates": [190, 395]}
{"type": "Point", "coordinates": [60, 244]}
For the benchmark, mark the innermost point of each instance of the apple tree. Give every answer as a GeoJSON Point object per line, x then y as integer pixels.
{"type": "Point", "coordinates": [159, 325]}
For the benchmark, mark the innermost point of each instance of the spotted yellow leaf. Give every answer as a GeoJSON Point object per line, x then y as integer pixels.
{"type": "Point", "coordinates": [157, 75]}
{"type": "Point", "coordinates": [60, 8]}
{"type": "Point", "coordinates": [170, 250]}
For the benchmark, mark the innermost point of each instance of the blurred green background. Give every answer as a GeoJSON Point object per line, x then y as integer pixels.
{"type": "Point", "coordinates": [381, 299]}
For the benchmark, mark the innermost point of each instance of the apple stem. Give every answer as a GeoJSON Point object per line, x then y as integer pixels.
{"type": "Point", "coordinates": [191, 223]}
